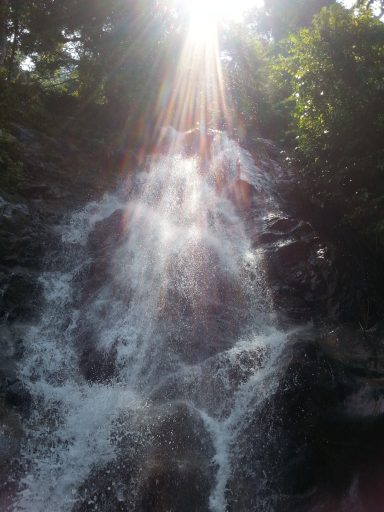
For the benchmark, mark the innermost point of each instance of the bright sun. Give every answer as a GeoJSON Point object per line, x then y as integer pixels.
{"type": "Point", "coordinates": [210, 11]}
{"type": "Point", "coordinates": [197, 94]}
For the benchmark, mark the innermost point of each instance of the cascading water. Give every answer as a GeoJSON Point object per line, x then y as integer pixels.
{"type": "Point", "coordinates": [156, 336]}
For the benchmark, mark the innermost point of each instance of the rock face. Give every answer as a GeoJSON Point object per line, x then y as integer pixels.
{"type": "Point", "coordinates": [303, 449]}
{"type": "Point", "coordinates": [102, 243]}
{"type": "Point", "coordinates": [170, 455]}
{"type": "Point", "coordinates": [314, 444]}
{"type": "Point", "coordinates": [301, 272]}
{"type": "Point", "coordinates": [22, 236]}
{"type": "Point", "coordinates": [311, 445]}
{"type": "Point", "coordinates": [58, 175]}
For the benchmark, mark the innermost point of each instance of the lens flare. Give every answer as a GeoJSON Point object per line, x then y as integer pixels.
{"type": "Point", "coordinates": [208, 11]}
{"type": "Point", "coordinates": [194, 94]}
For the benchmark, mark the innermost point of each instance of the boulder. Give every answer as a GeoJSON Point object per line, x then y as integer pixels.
{"type": "Point", "coordinates": [301, 274]}
{"type": "Point", "coordinates": [21, 297]}
{"type": "Point", "coordinates": [278, 443]}
{"type": "Point", "coordinates": [164, 462]}
{"type": "Point", "coordinates": [103, 242]}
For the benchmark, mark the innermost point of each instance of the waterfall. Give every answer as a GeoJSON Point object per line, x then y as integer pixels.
{"type": "Point", "coordinates": [156, 340]}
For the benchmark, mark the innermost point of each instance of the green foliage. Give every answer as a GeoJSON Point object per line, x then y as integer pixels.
{"type": "Point", "coordinates": [97, 65]}
{"type": "Point", "coordinates": [260, 98]}
{"type": "Point", "coordinates": [260, 91]}
{"type": "Point", "coordinates": [246, 66]}
{"type": "Point", "coordinates": [336, 73]}
{"type": "Point", "coordinates": [11, 166]}
{"type": "Point", "coordinates": [20, 101]}
{"type": "Point", "coordinates": [95, 69]}
{"type": "Point", "coordinates": [279, 18]}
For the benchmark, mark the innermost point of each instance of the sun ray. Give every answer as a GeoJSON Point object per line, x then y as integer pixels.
{"type": "Point", "coordinates": [195, 94]}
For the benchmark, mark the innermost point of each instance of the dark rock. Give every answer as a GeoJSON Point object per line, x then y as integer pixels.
{"type": "Point", "coordinates": [279, 446]}
{"type": "Point", "coordinates": [21, 297]}
{"type": "Point", "coordinates": [318, 437]}
{"type": "Point", "coordinates": [10, 443]}
{"type": "Point", "coordinates": [18, 396]}
{"type": "Point", "coordinates": [284, 225]}
{"type": "Point", "coordinates": [195, 142]}
{"type": "Point", "coordinates": [95, 363]}
{"type": "Point", "coordinates": [304, 281]}
{"type": "Point", "coordinates": [10, 437]}
{"type": "Point", "coordinates": [39, 192]}
{"type": "Point", "coordinates": [212, 389]}
{"type": "Point", "coordinates": [266, 146]}
{"type": "Point", "coordinates": [98, 365]}
{"type": "Point", "coordinates": [267, 238]}
{"type": "Point", "coordinates": [106, 489]}
{"type": "Point", "coordinates": [294, 253]}
{"type": "Point", "coordinates": [171, 487]}
{"type": "Point", "coordinates": [9, 447]}
{"type": "Point", "coordinates": [108, 232]}
{"type": "Point", "coordinates": [242, 194]}
{"type": "Point", "coordinates": [103, 242]}
{"type": "Point", "coordinates": [21, 233]}
{"type": "Point", "coordinates": [178, 473]}
{"type": "Point", "coordinates": [166, 465]}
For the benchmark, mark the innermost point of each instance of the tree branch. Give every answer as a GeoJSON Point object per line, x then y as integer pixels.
{"type": "Point", "coordinates": [3, 30]}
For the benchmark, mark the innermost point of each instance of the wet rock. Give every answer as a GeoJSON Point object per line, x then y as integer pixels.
{"type": "Point", "coordinates": [9, 447]}
{"type": "Point", "coordinates": [18, 397]}
{"type": "Point", "coordinates": [267, 238]}
{"type": "Point", "coordinates": [164, 463]}
{"type": "Point", "coordinates": [23, 240]}
{"type": "Point", "coordinates": [196, 142]}
{"type": "Point", "coordinates": [96, 364]}
{"type": "Point", "coordinates": [178, 473]}
{"type": "Point", "coordinates": [39, 192]}
{"type": "Point", "coordinates": [11, 433]}
{"type": "Point", "coordinates": [349, 444]}
{"type": "Point", "coordinates": [23, 249]}
{"type": "Point", "coordinates": [206, 322]}
{"type": "Point", "coordinates": [318, 437]}
{"type": "Point", "coordinates": [194, 341]}
{"type": "Point", "coordinates": [268, 147]}
{"type": "Point", "coordinates": [293, 253]}
{"type": "Point", "coordinates": [23, 234]}
{"type": "Point", "coordinates": [278, 444]}
{"type": "Point", "coordinates": [105, 489]}
{"type": "Point", "coordinates": [21, 297]}
{"type": "Point", "coordinates": [242, 194]}
{"type": "Point", "coordinates": [175, 487]}
{"type": "Point", "coordinates": [103, 242]}
{"type": "Point", "coordinates": [284, 225]}
{"type": "Point", "coordinates": [213, 386]}
{"type": "Point", "coordinates": [108, 232]}
{"type": "Point", "coordinates": [304, 281]}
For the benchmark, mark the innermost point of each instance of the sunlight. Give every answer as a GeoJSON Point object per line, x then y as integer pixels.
{"type": "Point", "coordinates": [209, 11]}
{"type": "Point", "coordinates": [195, 96]}
{"type": "Point", "coordinates": [205, 14]}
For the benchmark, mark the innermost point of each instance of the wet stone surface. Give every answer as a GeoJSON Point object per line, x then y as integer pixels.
{"type": "Point", "coordinates": [310, 438]}
{"type": "Point", "coordinates": [164, 463]}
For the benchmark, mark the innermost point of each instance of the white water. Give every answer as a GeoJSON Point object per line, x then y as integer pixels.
{"type": "Point", "coordinates": [183, 308]}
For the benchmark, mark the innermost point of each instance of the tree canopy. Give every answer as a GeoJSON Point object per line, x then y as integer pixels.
{"type": "Point", "coordinates": [336, 74]}
{"type": "Point", "coordinates": [309, 74]}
